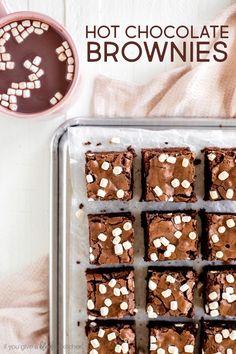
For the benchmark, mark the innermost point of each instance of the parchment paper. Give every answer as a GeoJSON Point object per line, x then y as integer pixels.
{"type": "Point", "coordinates": [82, 139]}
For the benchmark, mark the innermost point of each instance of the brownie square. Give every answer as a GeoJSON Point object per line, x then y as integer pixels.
{"type": "Point", "coordinates": [168, 175]}
{"type": "Point", "coordinates": [111, 238]}
{"type": "Point", "coordinates": [219, 338]}
{"type": "Point", "coordinates": [168, 337]}
{"type": "Point", "coordinates": [109, 175]}
{"type": "Point", "coordinates": [170, 292]}
{"type": "Point", "coordinates": [220, 292]}
{"type": "Point", "coordinates": [110, 293]}
{"type": "Point", "coordinates": [170, 236]}
{"type": "Point", "coordinates": [111, 338]}
{"type": "Point", "coordinates": [220, 174]}
{"type": "Point", "coordinates": [220, 230]}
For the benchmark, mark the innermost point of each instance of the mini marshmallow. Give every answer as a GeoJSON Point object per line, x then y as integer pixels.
{"type": "Point", "coordinates": [36, 24]}
{"type": "Point", "coordinates": [2, 66]}
{"type": "Point", "coordinates": [12, 99]}
{"type": "Point", "coordinates": [19, 92]}
{"type": "Point", "coordinates": [60, 50]}
{"type": "Point", "coordinates": [6, 56]}
{"type": "Point", "coordinates": [13, 107]}
{"type": "Point", "coordinates": [13, 24]}
{"type": "Point", "coordinates": [32, 77]}
{"type": "Point", "coordinates": [37, 60]}
{"type": "Point", "coordinates": [40, 73]}
{"type": "Point", "coordinates": [14, 32]}
{"type": "Point", "coordinates": [38, 31]}
{"type": "Point", "coordinates": [19, 39]}
{"type": "Point", "coordinates": [7, 36]}
{"type": "Point", "coordinates": [26, 23]}
{"type": "Point", "coordinates": [70, 68]}
{"type": "Point", "coordinates": [34, 69]}
{"type": "Point", "coordinates": [2, 50]}
{"type": "Point", "coordinates": [69, 77]}
{"type": "Point", "coordinates": [70, 60]}
{"type": "Point", "coordinates": [11, 91]}
{"type": "Point", "coordinates": [7, 28]}
{"type": "Point", "coordinates": [58, 96]}
{"type": "Point", "coordinates": [68, 53]}
{"type": "Point", "coordinates": [31, 85]}
{"type": "Point", "coordinates": [62, 57]}
{"type": "Point", "coordinates": [20, 28]}
{"type": "Point", "coordinates": [66, 45]}
{"type": "Point", "coordinates": [26, 93]}
{"type": "Point", "coordinates": [10, 65]}
{"type": "Point", "coordinates": [22, 85]}
{"type": "Point", "coordinates": [30, 29]}
{"type": "Point", "coordinates": [2, 42]}
{"type": "Point", "coordinates": [4, 103]}
{"type": "Point", "coordinates": [15, 85]}
{"type": "Point", "coordinates": [5, 97]}
{"type": "Point", "coordinates": [53, 101]}
{"type": "Point", "coordinates": [37, 84]}
{"type": "Point", "coordinates": [1, 32]}
{"type": "Point", "coordinates": [45, 26]}
{"type": "Point", "coordinates": [24, 34]}
{"type": "Point", "coordinates": [27, 64]}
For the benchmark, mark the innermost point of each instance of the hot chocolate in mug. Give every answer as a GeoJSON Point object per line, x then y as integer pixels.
{"type": "Point", "coordinates": [38, 64]}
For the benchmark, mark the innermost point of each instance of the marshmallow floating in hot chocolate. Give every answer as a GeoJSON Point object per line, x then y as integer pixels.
{"type": "Point", "coordinates": [37, 66]}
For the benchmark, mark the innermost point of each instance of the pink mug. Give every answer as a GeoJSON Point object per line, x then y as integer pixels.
{"type": "Point", "coordinates": [6, 16]}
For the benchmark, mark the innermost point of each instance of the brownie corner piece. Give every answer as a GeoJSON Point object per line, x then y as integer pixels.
{"type": "Point", "coordinates": [111, 337]}
{"type": "Point", "coordinates": [109, 175]}
{"type": "Point", "coordinates": [170, 337]}
{"type": "Point", "coordinates": [220, 291]}
{"type": "Point", "coordinates": [171, 236]}
{"type": "Point", "coordinates": [171, 292]}
{"type": "Point", "coordinates": [111, 293]}
{"type": "Point", "coordinates": [220, 229]}
{"type": "Point", "coordinates": [218, 337]}
{"type": "Point", "coordinates": [220, 173]}
{"type": "Point", "coordinates": [111, 238]}
{"type": "Point", "coordinates": [168, 175]}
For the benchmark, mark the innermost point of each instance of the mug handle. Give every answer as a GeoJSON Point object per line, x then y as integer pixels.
{"type": "Point", "coordinates": [4, 9]}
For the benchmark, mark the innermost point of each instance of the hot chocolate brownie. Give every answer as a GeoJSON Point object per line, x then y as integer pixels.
{"type": "Point", "coordinates": [219, 338]}
{"type": "Point", "coordinates": [168, 175]}
{"type": "Point", "coordinates": [220, 231]}
{"type": "Point", "coordinates": [170, 292]}
{"type": "Point", "coordinates": [220, 174]}
{"type": "Point", "coordinates": [170, 236]}
{"type": "Point", "coordinates": [111, 238]}
{"type": "Point", "coordinates": [167, 337]}
{"type": "Point", "coordinates": [109, 175]}
{"type": "Point", "coordinates": [111, 293]}
{"type": "Point", "coordinates": [107, 338]}
{"type": "Point", "coordinates": [220, 291]}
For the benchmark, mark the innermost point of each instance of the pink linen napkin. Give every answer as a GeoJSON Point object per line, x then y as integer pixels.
{"type": "Point", "coordinates": [199, 90]}
{"type": "Point", "coordinates": [24, 310]}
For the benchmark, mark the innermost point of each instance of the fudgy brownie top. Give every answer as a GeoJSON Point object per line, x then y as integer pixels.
{"type": "Point", "coordinates": [170, 293]}
{"type": "Point", "coordinates": [171, 236]}
{"type": "Point", "coordinates": [220, 174]}
{"type": "Point", "coordinates": [111, 293]}
{"type": "Point", "coordinates": [220, 292]}
{"type": "Point", "coordinates": [168, 175]}
{"type": "Point", "coordinates": [104, 339]}
{"type": "Point", "coordinates": [109, 175]}
{"type": "Point", "coordinates": [111, 238]}
{"type": "Point", "coordinates": [221, 237]}
{"type": "Point", "coordinates": [219, 339]}
{"type": "Point", "coordinates": [177, 338]}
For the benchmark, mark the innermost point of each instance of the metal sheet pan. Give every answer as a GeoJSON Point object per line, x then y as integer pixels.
{"type": "Point", "coordinates": [60, 206]}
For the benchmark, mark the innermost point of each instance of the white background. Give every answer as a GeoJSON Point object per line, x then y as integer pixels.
{"type": "Point", "coordinates": [24, 144]}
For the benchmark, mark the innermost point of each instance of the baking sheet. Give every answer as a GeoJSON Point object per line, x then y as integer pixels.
{"type": "Point", "coordinates": [82, 139]}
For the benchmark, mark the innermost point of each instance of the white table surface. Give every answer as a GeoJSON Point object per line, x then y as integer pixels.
{"type": "Point", "coordinates": [24, 144]}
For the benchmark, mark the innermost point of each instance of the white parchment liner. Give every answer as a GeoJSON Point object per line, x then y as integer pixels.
{"type": "Point", "coordinates": [196, 139]}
